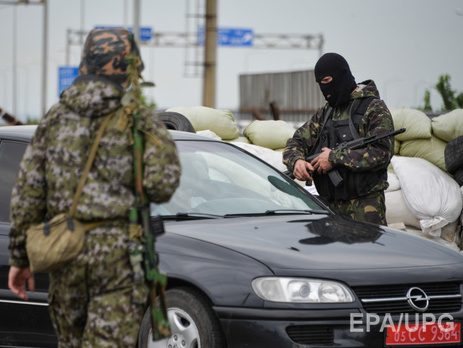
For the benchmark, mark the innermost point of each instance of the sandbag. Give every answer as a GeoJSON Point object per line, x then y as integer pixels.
{"type": "Point", "coordinates": [240, 139]}
{"type": "Point", "coordinates": [431, 149]}
{"type": "Point", "coordinates": [397, 210]}
{"type": "Point", "coordinates": [209, 134]}
{"type": "Point", "coordinates": [429, 193]}
{"type": "Point", "coordinates": [417, 123]}
{"type": "Point", "coordinates": [221, 122]}
{"type": "Point", "coordinates": [448, 126]}
{"type": "Point", "coordinates": [450, 244]}
{"type": "Point", "coordinates": [396, 147]}
{"type": "Point", "coordinates": [393, 181]}
{"type": "Point", "coordinates": [270, 134]}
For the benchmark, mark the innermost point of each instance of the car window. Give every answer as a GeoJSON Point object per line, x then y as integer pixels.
{"type": "Point", "coordinates": [218, 178]}
{"type": "Point", "coordinates": [11, 153]}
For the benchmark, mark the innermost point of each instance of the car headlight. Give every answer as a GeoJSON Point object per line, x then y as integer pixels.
{"type": "Point", "coordinates": [301, 290]}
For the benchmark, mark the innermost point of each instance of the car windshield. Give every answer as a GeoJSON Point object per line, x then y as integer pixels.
{"type": "Point", "coordinates": [220, 180]}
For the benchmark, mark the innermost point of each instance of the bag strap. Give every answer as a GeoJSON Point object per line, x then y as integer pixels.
{"type": "Point", "coordinates": [90, 159]}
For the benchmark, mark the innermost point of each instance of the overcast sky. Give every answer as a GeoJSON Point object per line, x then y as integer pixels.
{"type": "Point", "coordinates": [403, 45]}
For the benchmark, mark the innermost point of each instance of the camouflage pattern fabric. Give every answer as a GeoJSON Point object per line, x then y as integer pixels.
{"type": "Point", "coordinates": [93, 296]}
{"type": "Point", "coordinates": [105, 52]}
{"type": "Point", "coordinates": [105, 307]}
{"type": "Point", "coordinates": [54, 160]}
{"type": "Point", "coordinates": [377, 120]}
{"type": "Point", "coordinates": [371, 208]}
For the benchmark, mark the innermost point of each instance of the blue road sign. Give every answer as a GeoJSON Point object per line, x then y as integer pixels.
{"type": "Point", "coordinates": [230, 37]}
{"type": "Point", "coordinates": [66, 75]}
{"type": "Point", "coordinates": [145, 32]}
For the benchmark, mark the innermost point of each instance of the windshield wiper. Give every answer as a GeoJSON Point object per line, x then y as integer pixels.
{"type": "Point", "coordinates": [191, 216]}
{"type": "Point", "coordinates": [295, 211]}
{"type": "Point", "coordinates": [280, 211]}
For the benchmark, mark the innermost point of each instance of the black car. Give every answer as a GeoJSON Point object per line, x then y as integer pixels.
{"type": "Point", "coordinates": [253, 260]}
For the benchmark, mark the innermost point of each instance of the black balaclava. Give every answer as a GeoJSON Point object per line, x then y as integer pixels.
{"type": "Point", "coordinates": [343, 83]}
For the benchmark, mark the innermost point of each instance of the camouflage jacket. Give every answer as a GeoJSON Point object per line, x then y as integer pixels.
{"type": "Point", "coordinates": [376, 120]}
{"type": "Point", "coordinates": [55, 158]}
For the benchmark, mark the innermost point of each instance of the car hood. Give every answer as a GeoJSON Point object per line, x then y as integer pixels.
{"type": "Point", "coordinates": [296, 244]}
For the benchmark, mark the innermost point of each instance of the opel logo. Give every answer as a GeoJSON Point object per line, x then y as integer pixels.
{"type": "Point", "coordinates": [417, 299]}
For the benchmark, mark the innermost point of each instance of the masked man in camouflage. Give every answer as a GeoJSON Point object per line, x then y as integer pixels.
{"type": "Point", "coordinates": [93, 299]}
{"type": "Point", "coordinates": [351, 111]}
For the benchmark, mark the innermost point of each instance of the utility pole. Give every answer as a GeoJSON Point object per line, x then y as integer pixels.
{"type": "Point", "coordinates": [136, 21]}
{"type": "Point", "coordinates": [44, 56]}
{"type": "Point", "coordinates": [210, 54]}
{"type": "Point", "coordinates": [15, 39]}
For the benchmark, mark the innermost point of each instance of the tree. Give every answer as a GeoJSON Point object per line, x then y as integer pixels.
{"type": "Point", "coordinates": [451, 100]}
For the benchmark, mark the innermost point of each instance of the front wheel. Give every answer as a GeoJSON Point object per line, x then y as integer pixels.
{"type": "Point", "coordinates": [192, 321]}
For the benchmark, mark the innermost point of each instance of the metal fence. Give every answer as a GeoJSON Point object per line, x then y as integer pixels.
{"type": "Point", "coordinates": [294, 92]}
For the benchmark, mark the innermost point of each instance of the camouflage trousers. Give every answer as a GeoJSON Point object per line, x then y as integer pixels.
{"type": "Point", "coordinates": [370, 208]}
{"type": "Point", "coordinates": [93, 301]}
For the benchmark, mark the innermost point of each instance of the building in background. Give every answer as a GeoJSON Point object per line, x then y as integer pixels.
{"type": "Point", "coordinates": [290, 96]}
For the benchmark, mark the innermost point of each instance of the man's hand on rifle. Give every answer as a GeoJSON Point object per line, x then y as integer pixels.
{"type": "Point", "coordinates": [302, 170]}
{"type": "Point", "coordinates": [321, 163]}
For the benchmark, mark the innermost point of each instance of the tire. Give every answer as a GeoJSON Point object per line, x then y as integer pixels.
{"type": "Point", "coordinates": [176, 121]}
{"type": "Point", "coordinates": [458, 176]}
{"type": "Point", "coordinates": [193, 323]}
{"type": "Point", "coordinates": [454, 154]}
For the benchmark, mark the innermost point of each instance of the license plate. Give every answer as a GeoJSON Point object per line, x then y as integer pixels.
{"type": "Point", "coordinates": [418, 334]}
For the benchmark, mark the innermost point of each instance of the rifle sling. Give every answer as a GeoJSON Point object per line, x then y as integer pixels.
{"type": "Point", "coordinates": [88, 165]}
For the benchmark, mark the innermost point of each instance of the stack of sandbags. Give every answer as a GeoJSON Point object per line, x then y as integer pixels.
{"type": "Point", "coordinates": [221, 122]}
{"type": "Point", "coordinates": [426, 138]}
{"type": "Point", "coordinates": [418, 139]}
{"type": "Point", "coordinates": [431, 195]}
{"type": "Point", "coordinates": [397, 211]}
{"type": "Point", "coordinates": [269, 133]}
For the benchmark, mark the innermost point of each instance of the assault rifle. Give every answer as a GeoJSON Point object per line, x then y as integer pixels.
{"type": "Point", "coordinates": [12, 121]}
{"type": "Point", "coordinates": [143, 230]}
{"type": "Point", "coordinates": [334, 175]}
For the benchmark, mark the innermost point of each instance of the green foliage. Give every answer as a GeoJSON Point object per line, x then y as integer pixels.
{"type": "Point", "coordinates": [31, 120]}
{"type": "Point", "coordinates": [143, 101]}
{"type": "Point", "coordinates": [450, 99]}
{"type": "Point", "coordinates": [427, 101]}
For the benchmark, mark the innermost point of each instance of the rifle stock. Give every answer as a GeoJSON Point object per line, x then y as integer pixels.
{"type": "Point", "coordinates": [10, 119]}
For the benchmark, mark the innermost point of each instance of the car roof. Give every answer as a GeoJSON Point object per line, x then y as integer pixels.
{"type": "Point", "coordinates": [26, 132]}
{"type": "Point", "coordinates": [17, 132]}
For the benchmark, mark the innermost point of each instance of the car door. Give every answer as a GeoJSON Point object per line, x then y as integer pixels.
{"type": "Point", "coordinates": [22, 323]}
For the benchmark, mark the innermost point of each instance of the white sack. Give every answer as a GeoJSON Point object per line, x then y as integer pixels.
{"type": "Point", "coordinates": [430, 194]}
{"type": "Point", "coordinates": [209, 134]}
{"type": "Point", "coordinates": [274, 158]}
{"type": "Point", "coordinates": [397, 210]}
{"type": "Point", "coordinates": [393, 181]}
